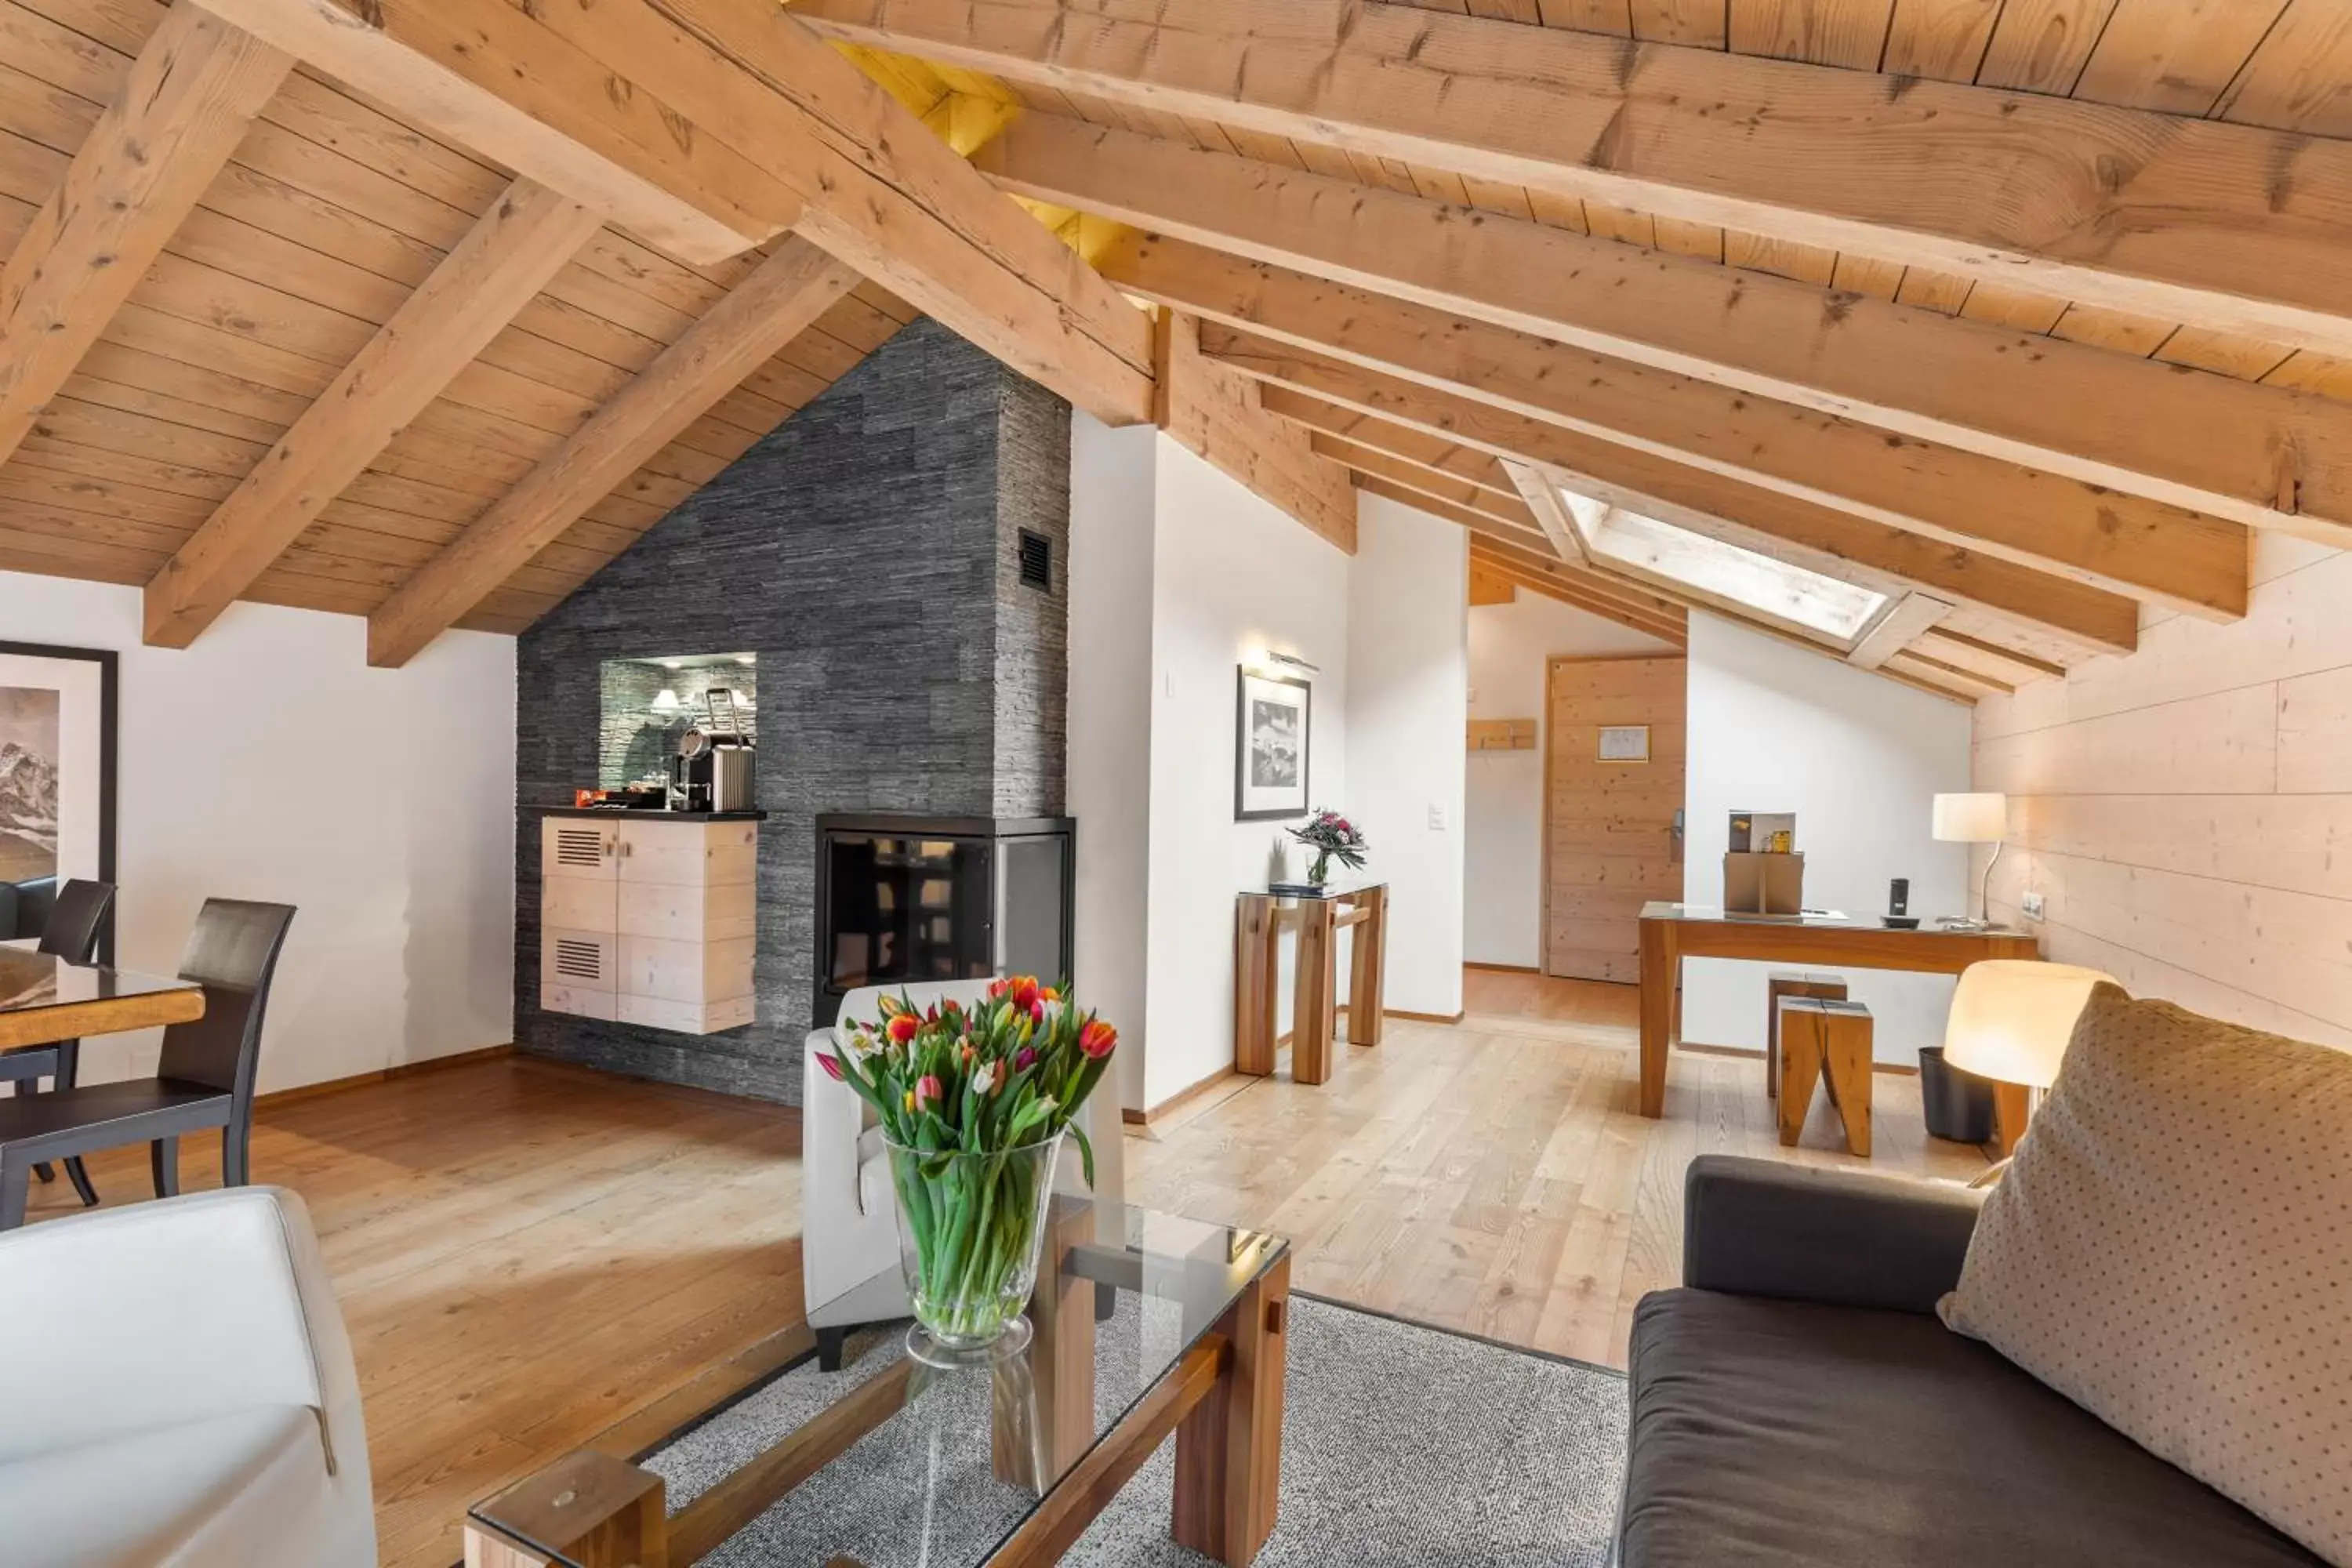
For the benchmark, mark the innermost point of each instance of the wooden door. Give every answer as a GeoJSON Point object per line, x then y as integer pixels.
{"type": "Point", "coordinates": [1610, 840]}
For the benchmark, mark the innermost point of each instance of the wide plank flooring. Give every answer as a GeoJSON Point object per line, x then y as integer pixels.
{"type": "Point", "coordinates": [1495, 1175]}
{"type": "Point", "coordinates": [526, 1252]}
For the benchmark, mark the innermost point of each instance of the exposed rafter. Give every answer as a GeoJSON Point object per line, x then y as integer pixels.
{"type": "Point", "coordinates": [2184, 560]}
{"type": "Point", "coordinates": [2091, 616]}
{"type": "Point", "coordinates": [2249, 233]}
{"type": "Point", "coordinates": [1214, 413]}
{"type": "Point", "coordinates": [173, 124]}
{"type": "Point", "coordinates": [757, 318]}
{"type": "Point", "coordinates": [743, 115]}
{"type": "Point", "coordinates": [1669, 624]}
{"type": "Point", "coordinates": [527, 235]}
{"type": "Point", "coordinates": [2263, 456]}
{"type": "Point", "coordinates": [1896, 628]}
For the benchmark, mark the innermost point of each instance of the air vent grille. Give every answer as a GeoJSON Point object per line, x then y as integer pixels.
{"type": "Point", "coordinates": [1036, 562]}
{"type": "Point", "coordinates": [579, 846]}
{"type": "Point", "coordinates": [577, 960]}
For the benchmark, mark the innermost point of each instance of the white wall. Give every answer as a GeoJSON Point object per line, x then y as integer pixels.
{"type": "Point", "coordinates": [269, 762]}
{"type": "Point", "coordinates": [1857, 757]}
{"type": "Point", "coordinates": [1232, 575]}
{"type": "Point", "coordinates": [1408, 676]}
{"type": "Point", "coordinates": [1510, 647]}
{"type": "Point", "coordinates": [1113, 500]}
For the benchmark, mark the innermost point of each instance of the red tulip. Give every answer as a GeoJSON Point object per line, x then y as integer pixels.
{"type": "Point", "coordinates": [1037, 1012]}
{"type": "Point", "coordinates": [903, 1027]}
{"type": "Point", "coordinates": [997, 988]}
{"type": "Point", "coordinates": [832, 1064]}
{"type": "Point", "coordinates": [1024, 994]}
{"type": "Point", "coordinates": [1025, 1059]}
{"type": "Point", "coordinates": [928, 1090]}
{"type": "Point", "coordinates": [1098, 1040]}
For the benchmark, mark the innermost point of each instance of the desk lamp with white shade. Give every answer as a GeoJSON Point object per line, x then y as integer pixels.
{"type": "Point", "coordinates": [2010, 1021]}
{"type": "Point", "coordinates": [1979, 818]}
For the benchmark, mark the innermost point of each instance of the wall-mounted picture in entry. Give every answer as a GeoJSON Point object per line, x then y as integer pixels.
{"type": "Point", "coordinates": [56, 766]}
{"type": "Point", "coordinates": [1270, 752]}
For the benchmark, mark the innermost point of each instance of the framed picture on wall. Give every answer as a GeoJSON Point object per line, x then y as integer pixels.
{"type": "Point", "coordinates": [1270, 752]}
{"type": "Point", "coordinates": [56, 766]}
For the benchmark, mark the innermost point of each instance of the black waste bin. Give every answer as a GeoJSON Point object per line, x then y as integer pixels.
{"type": "Point", "coordinates": [1957, 1105]}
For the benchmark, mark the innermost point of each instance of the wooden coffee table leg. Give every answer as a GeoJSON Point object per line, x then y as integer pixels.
{"type": "Point", "coordinates": [593, 1509]}
{"type": "Point", "coordinates": [1229, 1449]}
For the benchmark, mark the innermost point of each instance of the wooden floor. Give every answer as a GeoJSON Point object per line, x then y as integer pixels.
{"type": "Point", "coordinates": [527, 1253]}
{"type": "Point", "coordinates": [1495, 1175]}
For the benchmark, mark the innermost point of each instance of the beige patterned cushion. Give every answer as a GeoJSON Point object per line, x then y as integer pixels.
{"type": "Point", "coordinates": [2172, 1250]}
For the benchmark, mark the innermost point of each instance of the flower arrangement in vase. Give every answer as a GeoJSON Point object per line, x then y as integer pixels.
{"type": "Point", "coordinates": [1331, 837]}
{"type": "Point", "coordinates": [974, 1101]}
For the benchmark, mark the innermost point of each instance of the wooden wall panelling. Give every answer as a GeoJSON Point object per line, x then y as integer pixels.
{"type": "Point", "coordinates": [2124, 543]}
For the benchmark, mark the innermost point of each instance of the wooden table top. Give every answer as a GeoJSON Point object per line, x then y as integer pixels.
{"type": "Point", "coordinates": [45, 999]}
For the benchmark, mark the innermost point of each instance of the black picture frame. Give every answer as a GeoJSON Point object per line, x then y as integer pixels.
{"type": "Point", "coordinates": [109, 702]}
{"type": "Point", "coordinates": [1243, 810]}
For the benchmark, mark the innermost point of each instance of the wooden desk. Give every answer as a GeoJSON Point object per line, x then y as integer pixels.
{"type": "Point", "coordinates": [1672, 932]}
{"type": "Point", "coordinates": [1259, 920]}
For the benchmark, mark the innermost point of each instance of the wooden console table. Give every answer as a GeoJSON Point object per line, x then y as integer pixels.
{"type": "Point", "coordinates": [1672, 932]}
{"type": "Point", "coordinates": [1259, 920]}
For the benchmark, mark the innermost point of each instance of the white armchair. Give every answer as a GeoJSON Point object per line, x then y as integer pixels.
{"type": "Point", "coordinates": [179, 1391]}
{"type": "Point", "coordinates": [849, 1214]}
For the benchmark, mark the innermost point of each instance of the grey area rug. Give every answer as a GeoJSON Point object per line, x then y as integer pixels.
{"type": "Point", "coordinates": [1401, 1445]}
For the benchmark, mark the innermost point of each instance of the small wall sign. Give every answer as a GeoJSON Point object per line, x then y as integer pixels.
{"type": "Point", "coordinates": [1624, 743]}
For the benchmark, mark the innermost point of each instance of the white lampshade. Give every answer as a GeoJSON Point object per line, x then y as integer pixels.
{"type": "Point", "coordinates": [2012, 1017]}
{"type": "Point", "coordinates": [1971, 818]}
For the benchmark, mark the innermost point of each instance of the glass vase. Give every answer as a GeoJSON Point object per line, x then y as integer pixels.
{"type": "Point", "coordinates": [971, 1228]}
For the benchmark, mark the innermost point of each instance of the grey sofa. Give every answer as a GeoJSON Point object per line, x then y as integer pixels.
{"type": "Point", "coordinates": [1797, 1401]}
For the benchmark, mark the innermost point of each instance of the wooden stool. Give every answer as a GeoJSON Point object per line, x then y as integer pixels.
{"type": "Point", "coordinates": [1785, 982]}
{"type": "Point", "coordinates": [1825, 1038]}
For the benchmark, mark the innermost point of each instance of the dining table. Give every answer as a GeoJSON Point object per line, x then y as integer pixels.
{"type": "Point", "coordinates": [45, 999]}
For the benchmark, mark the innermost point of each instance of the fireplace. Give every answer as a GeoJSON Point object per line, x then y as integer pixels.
{"type": "Point", "coordinates": [902, 900]}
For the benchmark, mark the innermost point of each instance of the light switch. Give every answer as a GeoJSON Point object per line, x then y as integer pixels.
{"type": "Point", "coordinates": [1436, 817]}
{"type": "Point", "coordinates": [2034, 906]}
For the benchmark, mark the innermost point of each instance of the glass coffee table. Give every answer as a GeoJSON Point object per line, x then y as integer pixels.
{"type": "Point", "coordinates": [1145, 1324]}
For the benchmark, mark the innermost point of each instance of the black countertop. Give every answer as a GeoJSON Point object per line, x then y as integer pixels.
{"type": "Point", "coordinates": [606, 811]}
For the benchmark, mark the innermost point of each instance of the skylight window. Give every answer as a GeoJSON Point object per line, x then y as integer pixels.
{"type": "Point", "coordinates": [1792, 597]}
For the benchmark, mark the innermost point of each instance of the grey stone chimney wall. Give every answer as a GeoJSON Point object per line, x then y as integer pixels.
{"type": "Point", "coordinates": [867, 551]}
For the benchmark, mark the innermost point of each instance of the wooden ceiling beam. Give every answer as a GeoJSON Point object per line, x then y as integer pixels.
{"type": "Point", "coordinates": [1667, 620]}
{"type": "Point", "coordinates": [529, 235]}
{"type": "Point", "coordinates": [787, 293]}
{"type": "Point", "coordinates": [170, 127]}
{"type": "Point", "coordinates": [2231, 228]}
{"type": "Point", "coordinates": [1898, 626]}
{"type": "Point", "coordinates": [2184, 560]}
{"type": "Point", "coordinates": [1403, 442]}
{"type": "Point", "coordinates": [2263, 456]}
{"type": "Point", "coordinates": [1214, 413]}
{"type": "Point", "coordinates": [1504, 512]}
{"type": "Point", "coordinates": [747, 116]}
{"type": "Point", "coordinates": [2091, 616]}
{"type": "Point", "coordinates": [484, 77]}
{"type": "Point", "coordinates": [1989, 659]}
{"type": "Point", "coordinates": [1544, 502]}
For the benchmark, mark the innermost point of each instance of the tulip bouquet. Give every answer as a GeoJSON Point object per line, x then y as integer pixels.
{"type": "Point", "coordinates": [1329, 834]}
{"type": "Point", "coordinates": [973, 1100]}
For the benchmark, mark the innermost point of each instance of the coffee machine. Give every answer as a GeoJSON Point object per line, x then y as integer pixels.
{"type": "Point", "coordinates": [712, 770]}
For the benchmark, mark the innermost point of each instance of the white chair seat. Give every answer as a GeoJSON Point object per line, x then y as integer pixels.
{"type": "Point", "coordinates": [873, 1192]}
{"type": "Point", "coordinates": [242, 1489]}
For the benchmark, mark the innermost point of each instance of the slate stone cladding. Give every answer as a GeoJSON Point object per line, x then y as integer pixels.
{"type": "Point", "coordinates": [867, 551]}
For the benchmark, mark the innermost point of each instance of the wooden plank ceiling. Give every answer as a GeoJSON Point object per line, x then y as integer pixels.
{"type": "Point", "coordinates": [411, 328]}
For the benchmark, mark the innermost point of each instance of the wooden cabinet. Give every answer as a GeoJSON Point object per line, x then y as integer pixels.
{"type": "Point", "coordinates": [649, 919]}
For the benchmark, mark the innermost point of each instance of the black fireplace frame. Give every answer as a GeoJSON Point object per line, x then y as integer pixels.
{"type": "Point", "coordinates": [824, 998]}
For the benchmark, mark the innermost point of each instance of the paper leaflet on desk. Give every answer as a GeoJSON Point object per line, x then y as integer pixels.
{"type": "Point", "coordinates": [1763, 833]}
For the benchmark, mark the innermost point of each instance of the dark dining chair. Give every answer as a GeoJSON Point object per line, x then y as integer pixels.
{"type": "Point", "coordinates": [204, 1080]}
{"type": "Point", "coordinates": [74, 920]}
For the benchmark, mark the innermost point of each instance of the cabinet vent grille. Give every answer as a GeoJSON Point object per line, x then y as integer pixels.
{"type": "Point", "coordinates": [579, 846]}
{"type": "Point", "coordinates": [579, 959]}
